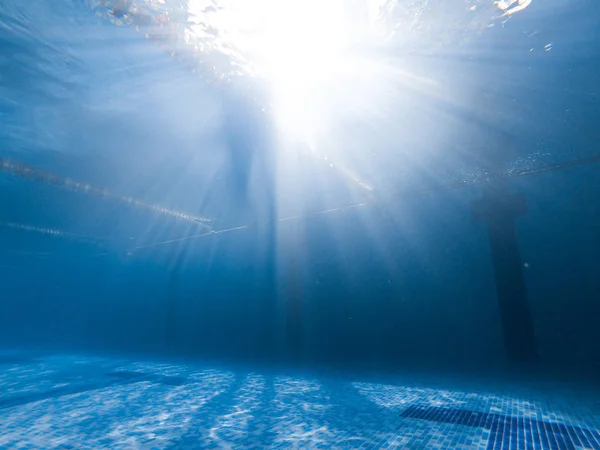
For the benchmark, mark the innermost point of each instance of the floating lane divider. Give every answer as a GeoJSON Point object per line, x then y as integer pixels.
{"type": "Point", "coordinates": [508, 175]}
{"type": "Point", "coordinates": [51, 232]}
{"type": "Point", "coordinates": [30, 173]}
{"type": "Point", "coordinates": [27, 172]}
{"type": "Point", "coordinates": [44, 230]}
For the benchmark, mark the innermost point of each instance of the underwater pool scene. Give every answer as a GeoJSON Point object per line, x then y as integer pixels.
{"type": "Point", "coordinates": [284, 224]}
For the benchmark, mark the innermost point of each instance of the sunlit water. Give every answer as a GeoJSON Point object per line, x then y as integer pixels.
{"type": "Point", "coordinates": [322, 62]}
{"type": "Point", "coordinates": [131, 131]}
{"type": "Point", "coordinates": [374, 98]}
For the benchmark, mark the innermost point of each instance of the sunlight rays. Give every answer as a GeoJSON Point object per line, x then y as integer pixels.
{"type": "Point", "coordinates": [322, 63]}
{"type": "Point", "coordinates": [350, 84]}
{"type": "Point", "coordinates": [26, 172]}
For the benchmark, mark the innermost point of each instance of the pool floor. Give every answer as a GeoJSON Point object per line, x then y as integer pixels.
{"type": "Point", "coordinates": [73, 401]}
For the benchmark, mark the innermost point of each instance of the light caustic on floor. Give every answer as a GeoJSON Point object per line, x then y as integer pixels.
{"type": "Point", "coordinates": [53, 402]}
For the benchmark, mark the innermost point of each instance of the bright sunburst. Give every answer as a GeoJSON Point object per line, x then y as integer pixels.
{"type": "Point", "coordinates": [302, 48]}
{"type": "Point", "coordinates": [306, 52]}
{"type": "Point", "coordinates": [321, 59]}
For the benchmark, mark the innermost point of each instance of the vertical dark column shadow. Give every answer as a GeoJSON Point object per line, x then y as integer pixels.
{"type": "Point", "coordinates": [499, 209]}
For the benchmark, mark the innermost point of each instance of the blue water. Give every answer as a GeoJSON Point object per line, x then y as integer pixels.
{"type": "Point", "coordinates": [232, 192]}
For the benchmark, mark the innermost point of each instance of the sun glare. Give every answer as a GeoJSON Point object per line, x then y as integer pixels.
{"type": "Point", "coordinates": [302, 50]}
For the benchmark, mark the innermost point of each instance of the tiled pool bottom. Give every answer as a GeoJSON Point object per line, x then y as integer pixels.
{"type": "Point", "coordinates": [84, 402]}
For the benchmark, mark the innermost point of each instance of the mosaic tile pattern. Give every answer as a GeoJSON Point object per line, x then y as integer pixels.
{"type": "Point", "coordinates": [512, 432]}
{"type": "Point", "coordinates": [84, 402]}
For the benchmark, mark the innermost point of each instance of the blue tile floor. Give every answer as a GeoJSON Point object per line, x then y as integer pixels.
{"type": "Point", "coordinates": [79, 402]}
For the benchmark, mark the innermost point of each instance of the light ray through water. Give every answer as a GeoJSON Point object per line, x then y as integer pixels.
{"type": "Point", "coordinates": [511, 174]}
{"type": "Point", "coordinates": [324, 64]}
{"type": "Point", "coordinates": [27, 172]}
{"type": "Point", "coordinates": [31, 173]}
